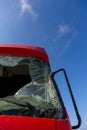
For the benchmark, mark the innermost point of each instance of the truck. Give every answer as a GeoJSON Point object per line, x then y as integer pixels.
{"type": "Point", "coordinates": [29, 95]}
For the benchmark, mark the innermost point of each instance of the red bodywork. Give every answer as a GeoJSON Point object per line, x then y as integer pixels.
{"type": "Point", "coordinates": [24, 122]}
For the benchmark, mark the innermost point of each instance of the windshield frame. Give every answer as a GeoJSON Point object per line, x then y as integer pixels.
{"type": "Point", "coordinates": [50, 79]}
{"type": "Point", "coordinates": [58, 93]}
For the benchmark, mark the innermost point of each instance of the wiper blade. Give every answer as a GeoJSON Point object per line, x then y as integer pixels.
{"type": "Point", "coordinates": [36, 112]}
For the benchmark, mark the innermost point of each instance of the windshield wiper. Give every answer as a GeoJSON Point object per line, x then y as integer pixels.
{"type": "Point", "coordinates": [36, 112]}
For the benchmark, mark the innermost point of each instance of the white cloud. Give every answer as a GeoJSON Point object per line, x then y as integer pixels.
{"type": "Point", "coordinates": [27, 7]}
{"type": "Point", "coordinates": [67, 34]}
{"type": "Point", "coordinates": [70, 40]}
{"type": "Point", "coordinates": [62, 30]}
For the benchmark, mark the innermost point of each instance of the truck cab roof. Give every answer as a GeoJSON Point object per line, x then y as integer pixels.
{"type": "Point", "coordinates": [23, 50]}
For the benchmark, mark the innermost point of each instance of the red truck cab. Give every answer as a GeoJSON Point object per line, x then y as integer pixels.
{"type": "Point", "coordinates": [29, 96]}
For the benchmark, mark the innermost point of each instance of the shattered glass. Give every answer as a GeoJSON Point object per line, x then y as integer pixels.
{"type": "Point", "coordinates": [40, 92]}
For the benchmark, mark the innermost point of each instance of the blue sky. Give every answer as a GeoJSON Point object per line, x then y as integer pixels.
{"type": "Point", "coordinates": [61, 28]}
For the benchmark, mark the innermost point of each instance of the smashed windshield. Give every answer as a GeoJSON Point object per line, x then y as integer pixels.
{"type": "Point", "coordinates": [27, 79]}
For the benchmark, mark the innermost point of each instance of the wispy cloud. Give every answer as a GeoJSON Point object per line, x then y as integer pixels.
{"type": "Point", "coordinates": [63, 30]}
{"type": "Point", "coordinates": [27, 7]}
{"type": "Point", "coordinates": [70, 40]}
{"type": "Point", "coordinates": [67, 33]}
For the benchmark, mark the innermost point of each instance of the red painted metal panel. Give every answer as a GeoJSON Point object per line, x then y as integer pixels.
{"type": "Point", "coordinates": [26, 123]}
{"type": "Point", "coordinates": [23, 50]}
{"type": "Point", "coordinates": [33, 123]}
{"type": "Point", "coordinates": [63, 124]}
